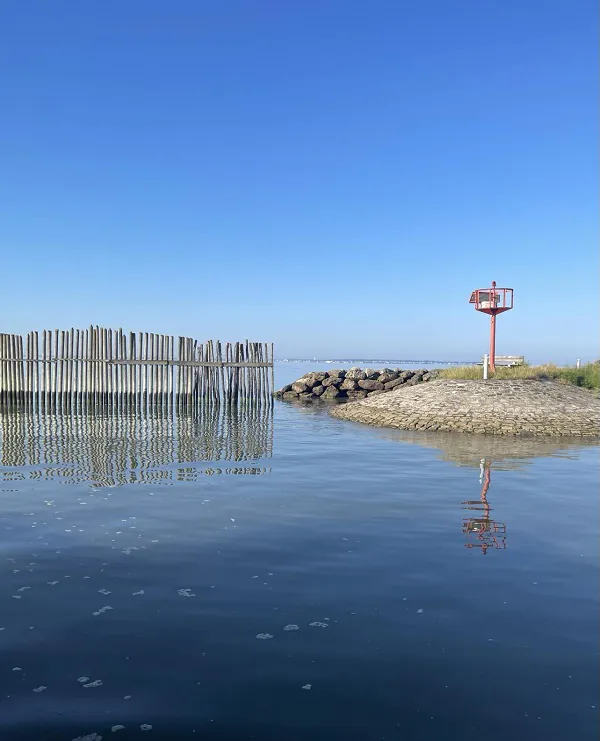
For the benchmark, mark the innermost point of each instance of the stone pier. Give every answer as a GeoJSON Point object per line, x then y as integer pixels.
{"type": "Point", "coordinates": [492, 407]}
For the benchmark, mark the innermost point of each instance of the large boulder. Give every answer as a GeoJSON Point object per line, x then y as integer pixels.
{"type": "Point", "coordinates": [390, 385]}
{"type": "Point", "coordinates": [349, 385]}
{"type": "Point", "coordinates": [406, 375]}
{"type": "Point", "coordinates": [387, 376]}
{"type": "Point", "coordinates": [333, 381]}
{"type": "Point", "coordinates": [356, 374]}
{"type": "Point", "coordinates": [372, 374]}
{"type": "Point", "coordinates": [370, 385]}
{"type": "Point", "coordinates": [290, 396]}
{"type": "Point", "coordinates": [331, 392]}
{"type": "Point", "coordinates": [318, 390]}
{"type": "Point", "coordinates": [300, 387]}
{"type": "Point", "coordinates": [336, 373]}
{"type": "Point", "coordinates": [418, 377]}
{"type": "Point", "coordinates": [312, 379]}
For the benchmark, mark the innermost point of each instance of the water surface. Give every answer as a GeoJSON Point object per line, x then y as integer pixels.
{"type": "Point", "coordinates": [288, 575]}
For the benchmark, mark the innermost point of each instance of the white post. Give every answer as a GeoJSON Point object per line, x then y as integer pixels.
{"type": "Point", "coordinates": [485, 366]}
{"type": "Point", "coordinates": [578, 364]}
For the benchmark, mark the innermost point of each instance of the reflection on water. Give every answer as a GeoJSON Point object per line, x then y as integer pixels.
{"type": "Point", "coordinates": [147, 448]}
{"type": "Point", "coordinates": [489, 452]}
{"type": "Point", "coordinates": [331, 599]}
{"type": "Point", "coordinates": [506, 453]}
{"type": "Point", "coordinates": [483, 532]}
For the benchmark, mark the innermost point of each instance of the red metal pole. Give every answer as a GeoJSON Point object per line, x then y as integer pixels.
{"type": "Point", "coordinates": [493, 343]}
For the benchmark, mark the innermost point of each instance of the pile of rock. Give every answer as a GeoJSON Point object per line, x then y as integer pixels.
{"type": "Point", "coordinates": [351, 384]}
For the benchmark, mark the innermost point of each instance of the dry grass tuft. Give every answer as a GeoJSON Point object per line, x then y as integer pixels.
{"type": "Point", "coordinates": [588, 376]}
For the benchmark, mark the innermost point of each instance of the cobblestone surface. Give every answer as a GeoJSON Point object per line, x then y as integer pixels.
{"type": "Point", "coordinates": [493, 407]}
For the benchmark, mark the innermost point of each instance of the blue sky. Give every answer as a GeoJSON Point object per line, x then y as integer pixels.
{"type": "Point", "coordinates": [334, 176]}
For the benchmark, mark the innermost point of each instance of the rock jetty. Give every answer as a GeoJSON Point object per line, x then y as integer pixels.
{"type": "Point", "coordinates": [354, 383]}
{"type": "Point", "coordinates": [492, 407]}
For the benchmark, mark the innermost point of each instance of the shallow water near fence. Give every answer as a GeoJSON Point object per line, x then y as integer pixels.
{"type": "Point", "coordinates": [268, 574]}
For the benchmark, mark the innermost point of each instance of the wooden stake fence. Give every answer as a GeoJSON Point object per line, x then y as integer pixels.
{"type": "Point", "coordinates": [105, 368]}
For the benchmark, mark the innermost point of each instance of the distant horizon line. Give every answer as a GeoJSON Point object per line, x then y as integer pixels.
{"type": "Point", "coordinates": [373, 360]}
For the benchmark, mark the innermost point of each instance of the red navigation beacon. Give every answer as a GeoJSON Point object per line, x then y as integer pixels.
{"type": "Point", "coordinates": [492, 301]}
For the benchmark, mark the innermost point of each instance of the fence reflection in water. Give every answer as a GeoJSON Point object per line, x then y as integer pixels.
{"type": "Point", "coordinates": [159, 446]}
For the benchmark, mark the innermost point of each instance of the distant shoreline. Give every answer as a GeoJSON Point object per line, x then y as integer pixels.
{"type": "Point", "coordinates": [375, 362]}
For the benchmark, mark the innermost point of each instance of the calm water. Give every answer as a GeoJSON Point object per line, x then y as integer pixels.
{"type": "Point", "coordinates": [259, 576]}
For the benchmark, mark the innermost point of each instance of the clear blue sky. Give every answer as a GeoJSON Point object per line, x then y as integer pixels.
{"type": "Point", "coordinates": [335, 176]}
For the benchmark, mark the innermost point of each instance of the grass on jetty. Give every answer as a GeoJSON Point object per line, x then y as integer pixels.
{"type": "Point", "coordinates": [587, 376]}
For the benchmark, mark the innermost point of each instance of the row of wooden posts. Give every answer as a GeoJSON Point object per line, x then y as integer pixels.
{"type": "Point", "coordinates": [106, 367]}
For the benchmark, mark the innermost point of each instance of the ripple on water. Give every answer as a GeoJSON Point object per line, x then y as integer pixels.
{"type": "Point", "coordinates": [102, 610]}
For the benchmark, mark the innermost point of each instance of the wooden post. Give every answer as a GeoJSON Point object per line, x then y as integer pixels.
{"type": "Point", "coordinates": [26, 370]}
{"type": "Point", "coordinates": [69, 366]}
{"type": "Point", "coordinates": [3, 367]}
{"type": "Point", "coordinates": [272, 370]}
{"type": "Point", "coordinates": [179, 369]}
{"type": "Point", "coordinates": [134, 370]}
{"type": "Point", "coordinates": [121, 369]}
{"type": "Point", "coordinates": [76, 370]}
{"type": "Point", "coordinates": [153, 370]}
{"type": "Point", "coordinates": [36, 368]}
{"type": "Point", "coordinates": [20, 369]}
{"type": "Point", "coordinates": [105, 367]}
{"type": "Point", "coordinates": [160, 355]}
{"type": "Point", "coordinates": [146, 369]}
{"type": "Point", "coordinates": [131, 369]}
{"type": "Point", "coordinates": [89, 366]}
{"type": "Point", "coordinates": [60, 348]}
{"type": "Point", "coordinates": [64, 370]}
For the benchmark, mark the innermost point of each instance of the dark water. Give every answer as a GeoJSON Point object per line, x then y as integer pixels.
{"type": "Point", "coordinates": [295, 576]}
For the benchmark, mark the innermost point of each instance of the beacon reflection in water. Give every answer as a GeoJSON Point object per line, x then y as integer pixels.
{"type": "Point", "coordinates": [481, 530]}
{"type": "Point", "coordinates": [487, 453]}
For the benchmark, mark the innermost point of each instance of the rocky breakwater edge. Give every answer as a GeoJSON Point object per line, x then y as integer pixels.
{"type": "Point", "coordinates": [352, 384]}
{"type": "Point", "coordinates": [494, 407]}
